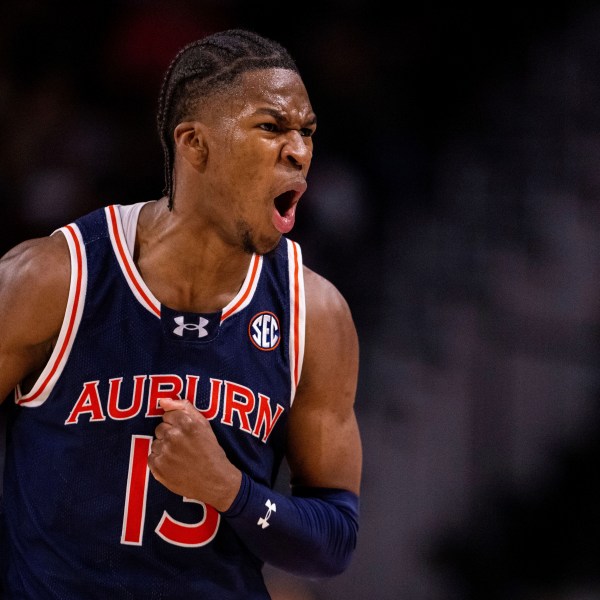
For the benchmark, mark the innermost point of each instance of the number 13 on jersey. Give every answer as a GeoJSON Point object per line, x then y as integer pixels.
{"type": "Point", "coordinates": [172, 531]}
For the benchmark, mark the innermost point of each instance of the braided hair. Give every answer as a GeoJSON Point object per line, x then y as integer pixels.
{"type": "Point", "coordinates": [203, 67]}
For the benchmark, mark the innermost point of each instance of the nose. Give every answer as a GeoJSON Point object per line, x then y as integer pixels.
{"type": "Point", "coordinates": [297, 150]}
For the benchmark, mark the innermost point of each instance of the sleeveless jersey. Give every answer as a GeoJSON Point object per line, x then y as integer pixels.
{"type": "Point", "coordinates": [84, 518]}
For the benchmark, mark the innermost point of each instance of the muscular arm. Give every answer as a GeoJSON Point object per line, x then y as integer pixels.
{"type": "Point", "coordinates": [324, 447]}
{"type": "Point", "coordinates": [34, 286]}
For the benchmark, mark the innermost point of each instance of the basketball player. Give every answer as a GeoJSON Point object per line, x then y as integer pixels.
{"type": "Point", "coordinates": [161, 359]}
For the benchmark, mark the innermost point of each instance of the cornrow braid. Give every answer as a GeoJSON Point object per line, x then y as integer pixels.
{"type": "Point", "coordinates": [203, 67]}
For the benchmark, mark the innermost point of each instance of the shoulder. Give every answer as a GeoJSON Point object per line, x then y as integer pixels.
{"type": "Point", "coordinates": [324, 300]}
{"type": "Point", "coordinates": [34, 284]}
{"type": "Point", "coordinates": [39, 262]}
{"type": "Point", "coordinates": [330, 329]}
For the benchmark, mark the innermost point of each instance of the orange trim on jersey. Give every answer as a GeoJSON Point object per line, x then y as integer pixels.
{"type": "Point", "coordinates": [244, 296]}
{"type": "Point", "coordinates": [125, 261]}
{"type": "Point", "coordinates": [72, 318]}
{"type": "Point", "coordinates": [296, 315]}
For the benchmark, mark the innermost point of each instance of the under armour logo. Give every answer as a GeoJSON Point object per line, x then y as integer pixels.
{"type": "Point", "coordinates": [182, 326]}
{"type": "Point", "coordinates": [271, 508]}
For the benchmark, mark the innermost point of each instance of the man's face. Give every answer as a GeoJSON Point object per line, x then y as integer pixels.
{"type": "Point", "coordinates": [259, 141]}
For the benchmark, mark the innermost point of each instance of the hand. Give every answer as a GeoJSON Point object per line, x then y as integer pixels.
{"type": "Point", "coordinates": [186, 457]}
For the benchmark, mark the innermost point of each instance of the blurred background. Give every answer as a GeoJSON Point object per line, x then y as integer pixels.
{"type": "Point", "coordinates": [453, 199]}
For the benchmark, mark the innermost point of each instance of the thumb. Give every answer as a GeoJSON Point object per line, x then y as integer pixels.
{"type": "Point", "coordinates": [172, 403]}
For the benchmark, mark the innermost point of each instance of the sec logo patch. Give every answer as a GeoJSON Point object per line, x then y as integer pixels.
{"type": "Point", "coordinates": [264, 331]}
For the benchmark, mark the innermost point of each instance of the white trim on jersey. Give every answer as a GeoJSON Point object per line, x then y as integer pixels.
{"type": "Point", "coordinates": [297, 314]}
{"type": "Point", "coordinates": [119, 243]}
{"type": "Point", "coordinates": [76, 300]}
{"type": "Point", "coordinates": [122, 243]}
{"type": "Point", "coordinates": [246, 293]}
{"type": "Point", "coordinates": [129, 214]}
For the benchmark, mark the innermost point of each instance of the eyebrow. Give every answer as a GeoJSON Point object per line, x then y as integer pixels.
{"type": "Point", "coordinates": [276, 114]}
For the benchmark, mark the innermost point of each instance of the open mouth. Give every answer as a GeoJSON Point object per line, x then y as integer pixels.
{"type": "Point", "coordinates": [284, 202]}
{"type": "Point", "coordinates": [284, 214]}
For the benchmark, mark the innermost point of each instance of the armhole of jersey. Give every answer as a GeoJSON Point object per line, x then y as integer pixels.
{"type": "Point", "coordinates": [297, 314]}
{"type": "Point", "coordinates": [76, 300]}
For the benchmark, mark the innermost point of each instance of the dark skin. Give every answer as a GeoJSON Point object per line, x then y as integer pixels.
{"type": "Point", "coordinates": [243, 148]}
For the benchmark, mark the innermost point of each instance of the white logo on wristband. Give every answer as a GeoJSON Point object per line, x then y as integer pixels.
{"type": "Point", "coordinates": [271, 508]}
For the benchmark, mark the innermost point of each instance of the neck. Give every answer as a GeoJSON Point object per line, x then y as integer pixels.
{"type": "Point", "coordinates": [186, 265]}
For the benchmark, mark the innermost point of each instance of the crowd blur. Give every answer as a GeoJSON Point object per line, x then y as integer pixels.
{"type": "Point", "coordinates": [453, 199]}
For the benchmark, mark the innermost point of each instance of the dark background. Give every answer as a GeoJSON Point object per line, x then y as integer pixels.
{"type": "Point", "coordinates": [453, 199]}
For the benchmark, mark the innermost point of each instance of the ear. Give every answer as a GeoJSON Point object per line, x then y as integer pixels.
{"type": "Point", "coordinates": [190, 142]}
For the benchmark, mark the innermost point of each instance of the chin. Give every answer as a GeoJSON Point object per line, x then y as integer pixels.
{"type": "Point", "coordinates": [263, 245]}
{"type": "Point", "coordinates": [263, 248]}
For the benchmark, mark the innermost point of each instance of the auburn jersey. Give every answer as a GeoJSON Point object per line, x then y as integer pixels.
{"type": "Point", "coordinates": [80, 504]}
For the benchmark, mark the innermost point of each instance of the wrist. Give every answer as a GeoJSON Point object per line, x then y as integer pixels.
{"type": "Point", "coordinates": [232, 492]}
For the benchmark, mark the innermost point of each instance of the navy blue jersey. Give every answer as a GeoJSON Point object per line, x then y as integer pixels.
{"type": "Point", "coordinates": [84, 518]}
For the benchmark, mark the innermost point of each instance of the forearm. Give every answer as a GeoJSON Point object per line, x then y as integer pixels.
{"type": "Point", "coordinates": [311, 533]}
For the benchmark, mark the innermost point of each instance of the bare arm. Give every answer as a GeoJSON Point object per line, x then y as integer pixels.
{"type": "Point", "coordinates": [324, 446]}
{"type": "Point", "coordinates": [34, 287]}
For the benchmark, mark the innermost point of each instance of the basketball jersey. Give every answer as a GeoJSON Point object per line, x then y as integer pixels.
{"type": "Point", "coordinates": [84, 518]}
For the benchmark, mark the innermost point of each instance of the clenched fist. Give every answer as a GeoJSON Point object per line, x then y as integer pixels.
{"type": "Point", "coordinates": [187, 458]}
